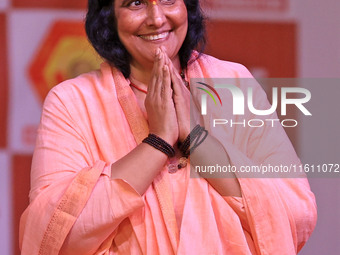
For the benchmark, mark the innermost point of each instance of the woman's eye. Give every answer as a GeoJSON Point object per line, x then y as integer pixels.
{"type": "Point", "coordinates": [135, 4]}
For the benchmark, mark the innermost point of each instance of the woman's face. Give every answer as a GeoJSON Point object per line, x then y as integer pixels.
{"type": "Point", "coordinates": [145, 25]}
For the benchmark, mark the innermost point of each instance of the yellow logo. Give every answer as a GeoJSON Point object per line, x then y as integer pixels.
{"type": "Point", "coordinates": [64, 54]}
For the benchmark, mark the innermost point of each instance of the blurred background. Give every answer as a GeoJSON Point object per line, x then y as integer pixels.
{"type": "Point", "coordinates": [42, 42]}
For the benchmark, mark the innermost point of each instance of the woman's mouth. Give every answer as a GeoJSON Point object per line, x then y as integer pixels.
{"type": "Point", "coordinates": [154, 37]}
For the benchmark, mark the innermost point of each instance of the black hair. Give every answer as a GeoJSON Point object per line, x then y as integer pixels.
{"type": "Point", "coordinates": [101, 30]}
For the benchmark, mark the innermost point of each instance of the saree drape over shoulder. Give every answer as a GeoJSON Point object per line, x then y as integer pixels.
{"type": "Point", "coordinates": [92, 121]}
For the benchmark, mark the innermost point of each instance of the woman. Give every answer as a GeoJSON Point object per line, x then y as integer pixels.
{"type": "Point", "coordinates": [102, 185]}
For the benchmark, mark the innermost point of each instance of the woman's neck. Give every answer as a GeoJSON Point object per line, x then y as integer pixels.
{"type": "Point", "coordinates": [142, 73]}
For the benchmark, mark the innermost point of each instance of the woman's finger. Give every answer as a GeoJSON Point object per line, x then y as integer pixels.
{"type": "Point", "coordinates": [154, 73]}
{"type": "Point", "coordinates": [159, 74]}
{"type": "Point", "coordinates": [175, 77]}
{"type": "Point", "coordinates": [177, 83]}
{"type": "Point", "coordinates": [166, 84]}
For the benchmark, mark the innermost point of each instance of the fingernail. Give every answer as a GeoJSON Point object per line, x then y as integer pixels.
{"type": "Point", "coordinates": [157, 52]}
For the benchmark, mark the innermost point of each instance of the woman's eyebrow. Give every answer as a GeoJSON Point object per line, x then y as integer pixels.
{"type": "Point", "coordinates": [124, 2]}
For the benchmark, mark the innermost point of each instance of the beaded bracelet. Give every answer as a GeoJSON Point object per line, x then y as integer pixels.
{"type": "Point", "coordinates": [161, 145]}
{"type": "Point", "coordinates": [193, 138]}
{"type": "Point", "coordinates": [199, 140]}
{"type": "Point", "coordinates": [184, 146]}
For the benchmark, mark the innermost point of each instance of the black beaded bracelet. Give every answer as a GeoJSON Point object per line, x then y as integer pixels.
{"type": "Point", "coordinates": [161, 145]}
{"type": "Point", "coordinates": [193, 138]}
{"type": "Point", "coordinates": [199, 140]}
{"type": "Point", "coordinates": [184, 146]}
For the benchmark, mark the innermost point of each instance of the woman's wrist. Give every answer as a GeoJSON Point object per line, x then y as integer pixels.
{"type": "Point", "coordinates": [169, 136]}
{"type": "Point", "coordinates": [183, 136]}
{"type": "Point", "coordinates": [197, 135]}
{"type": "Point", "coordinates": [160, 144]}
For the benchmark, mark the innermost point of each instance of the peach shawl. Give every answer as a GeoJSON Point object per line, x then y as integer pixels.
{"type": "Point", "coordinates": [76, 208]}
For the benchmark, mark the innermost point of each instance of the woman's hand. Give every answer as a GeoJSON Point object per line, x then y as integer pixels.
{"type": "Point", "coordinates": [181, 99]}
{"type": "Point", "coordinates": [159, 103]}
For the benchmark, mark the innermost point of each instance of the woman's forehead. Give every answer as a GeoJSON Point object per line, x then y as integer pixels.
{"type": "Point", "coordinates": [150, 1]}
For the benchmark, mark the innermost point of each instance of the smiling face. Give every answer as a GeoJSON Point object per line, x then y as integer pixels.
{"type": "Point", "coordinates": [145, 25]}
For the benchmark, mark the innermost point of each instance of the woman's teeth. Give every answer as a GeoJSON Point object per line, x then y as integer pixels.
{"type": "Point", "coordinates": [154, 37]}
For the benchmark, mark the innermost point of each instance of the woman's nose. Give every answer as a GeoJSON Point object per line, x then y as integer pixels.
{"type": "Point", "coordinates": [156, 16]}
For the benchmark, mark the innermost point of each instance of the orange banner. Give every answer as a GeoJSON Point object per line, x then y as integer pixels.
{"type": "Point", "coordinates": [64, 4]}
{"type": "Point", "coordinates": [64, 54]}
